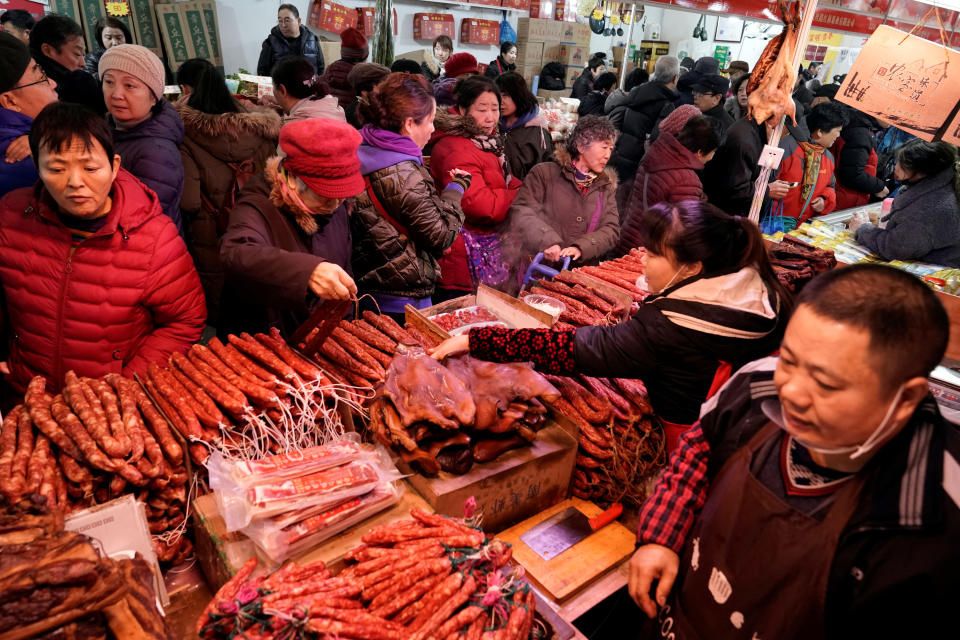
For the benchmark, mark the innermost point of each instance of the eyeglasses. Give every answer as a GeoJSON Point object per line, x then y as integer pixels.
{"type": "Point", "coordinates": [285, 21]}
{"type": "Point", "coordinates": [43, 80]}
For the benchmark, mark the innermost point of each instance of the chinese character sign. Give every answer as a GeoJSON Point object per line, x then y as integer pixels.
{"type": "Point", "coordinates": [914, 85]}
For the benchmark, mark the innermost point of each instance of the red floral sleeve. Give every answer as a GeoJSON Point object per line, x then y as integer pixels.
{"type": "Point", "coordinates": [549, 351]}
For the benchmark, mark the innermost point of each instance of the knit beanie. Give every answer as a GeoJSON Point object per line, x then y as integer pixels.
{"type": "Point", "coordinates": [135, 60]}
{"type": "Point", "coordinates": [460, 63]}
{"type": "Point", "coordinates": [14, 60]}
{"type": "Point", "coordinates": [323, 153]}
{"type": "Point", "coordinates": [364, 73]}
{"type": "Point", "coordinates": [353, 45]}
{"type": "Point", "coordinates": [678, 118]}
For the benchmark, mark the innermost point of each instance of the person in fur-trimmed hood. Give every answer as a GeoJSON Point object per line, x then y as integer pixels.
{"type": "Point", "coordinates": [288, 245]}
{"type": "Point", "coordinates": [225, 143]}
{"type": "Point", "coordinates": [568, 207]}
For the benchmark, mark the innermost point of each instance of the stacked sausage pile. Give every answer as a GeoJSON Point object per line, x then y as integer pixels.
{"type": "Point", "coordinates": [220, 387]}
{"type": "Point", "coordinates": [796, 263]}
{"type": "Point", "coordinates": [54, 584]}
{"type": "Point", "coordinates": [620, 446]}
{"type": "Point", "coordinates": [426, 577]}
{"type": "Point", "coordinates": [448, 417]}
{"type": "Point", "coordinates": [91, 443]}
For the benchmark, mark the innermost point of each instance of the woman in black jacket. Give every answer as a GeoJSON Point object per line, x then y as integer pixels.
{"type": "Point", "coordinates": [593, 103]}
{"type": "Point", "coordinates": [528, 141]}
{"type": "Point", "coordinates": [716, 304]}
{"type": "Point", "coordinates": [109, 33]}
{"type": "Point", "coordinates": [584, 82]}
{"type": "Point", "coordinates": [505, 62]}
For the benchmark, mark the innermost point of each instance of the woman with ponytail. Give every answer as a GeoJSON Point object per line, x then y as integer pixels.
{"type": "Point", "coordinates": [301, 93]}
{"type": "Point", "coordinates": [924, 222]}
{"type": "Point", "coordinates": [716, 305]}
{"type": "Point", "coordinates": [225, 143]}
{"type": "Point", "coordinates": [401, 223]}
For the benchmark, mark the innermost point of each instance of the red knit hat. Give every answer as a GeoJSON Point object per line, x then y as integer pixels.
{"type": "Point", "coordinates": [460, 63]}
{"type": "Point", "coordinates": [323, 153]}
{"type": "Point", "coordinates": [678, 118]}
{"type": "Point", "coordinates": [353, 45]}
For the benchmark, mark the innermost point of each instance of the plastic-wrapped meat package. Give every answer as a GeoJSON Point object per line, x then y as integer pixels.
{"type": "Point", "coordinates": [283, 537]}
{"type": "Point", "coordinates": [297, 463]}
{"type": "Point", "coordinates": [353, 478]}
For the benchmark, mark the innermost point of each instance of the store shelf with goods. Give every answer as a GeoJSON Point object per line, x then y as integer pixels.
{"type": "Point", "coordinates": [468, 5]}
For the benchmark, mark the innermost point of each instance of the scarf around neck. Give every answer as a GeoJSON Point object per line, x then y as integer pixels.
{"type": "Point", "coordinates": [812, 155]}
{"type": "Point", "coordinates": [582, 180]}
{"type": "Point", "coordinates": [390, 141]}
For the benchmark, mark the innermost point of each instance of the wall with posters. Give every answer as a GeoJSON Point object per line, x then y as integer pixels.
{"type": "Point", "coordinates": [245, 24]}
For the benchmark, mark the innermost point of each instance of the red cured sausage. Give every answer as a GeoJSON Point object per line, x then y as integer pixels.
{"type": "Point", "coordinates": [241, 363]}
{"type": "Point", "coordinates": [389, 326]}
{"type": "Point", "coordinates": [208, 413]}
{"type": "Point", "coordinates": [248, 345]}
{"type": "Point", "coordinates": [233, 401]}
{"type": "Point", "coordinates": [201, 356]}
{"type": "Point", "coordinates": [178, 398]}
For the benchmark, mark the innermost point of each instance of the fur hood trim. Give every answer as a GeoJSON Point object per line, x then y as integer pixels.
{"type": "Point", "coordinates": [454, 124]}
{"type": "Point", "coordinates": [258, 121]}
{"type": "Point", "coordinates": [562, 158]}
{"type": "Point", "coordinates": [303, 218]}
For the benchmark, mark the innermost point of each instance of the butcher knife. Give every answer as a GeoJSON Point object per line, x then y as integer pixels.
{"type": "Point", "coordinates": [561, 531]}
{"type": "Point", "coordinates": [325, 318]}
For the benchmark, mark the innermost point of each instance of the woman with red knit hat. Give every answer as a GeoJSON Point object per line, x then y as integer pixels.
{"type": "Point", "coordinates": [353, 49]}
{"type": "Point", "coordinates": [458, 66]}
{"type": "Point", "coordinates": [288, 244]}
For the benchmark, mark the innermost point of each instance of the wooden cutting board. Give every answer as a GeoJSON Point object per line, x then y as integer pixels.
{"type": "Point", "coordinates": [579, 565]}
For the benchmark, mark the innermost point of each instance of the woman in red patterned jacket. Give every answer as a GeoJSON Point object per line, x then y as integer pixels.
{"type": "Point", "coordinates": [95, 277]}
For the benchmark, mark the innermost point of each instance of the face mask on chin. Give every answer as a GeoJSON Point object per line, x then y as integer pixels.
{"type": "Point", "coordinates": [852, 458]}
{"type": "Point", "coordinates": [291, 194]}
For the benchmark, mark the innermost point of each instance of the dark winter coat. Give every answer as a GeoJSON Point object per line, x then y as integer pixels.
{"type": "Point", "coordinates": [592, 104]}
{"type": "Point", "coordinates": [151, 152]}
{"type": "Point", "coordinates": [583, 84]}
{"type": "Point", "coordinates": [336, 79]}
{"type": "Point", "coordinates": [856, 154]}
{"type": "Point", "coordinates": [498, 67]}
{"type": "Point", "coordinates": [676, 340]}
{"type": "Point", "coordinates": [898, 550]}
{"type": "Point", "coordinates": [276, 47]}
{"type": "Point", "coordinates": [92, 60]}
{"type": "Point", "coordinates": [720, 115]}
{"type": "Point", "coordinates": [615, 107]}
{"type": "Point", "coordinates": [13, 125]}
{"type": "Point", "coordinates": [528, 143]}
{"type": "Point", "coordinates": [549, 209]}
{"type": "Point", "coordinates": [386, 259]}
{"type": "Point", "coordinates": [268, 259]}
{"type": "Point", "coordinates": [923, 225]}
{"type": "Point", "coordinates": [728, 178]}
{"type": "Point", "coordinates": [124, 297]}
{"type": "Point", "coordinates": [668, 173]}
{"type": "Point", "coordinates": [216, 149]}
{"type": "Point", "coordinates": [73, 86]}
{"type": "Point", "coordinates": [486, 201]}
{"type": "Point", "coordinates": [647, 105]}
{"type": "Point", "coordinates": [733, 108]}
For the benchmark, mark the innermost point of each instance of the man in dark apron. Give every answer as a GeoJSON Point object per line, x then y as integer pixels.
{"type": "Point", "coordinates": [834, 483]}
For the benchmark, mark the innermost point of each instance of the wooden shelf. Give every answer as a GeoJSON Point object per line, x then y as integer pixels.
{"type": "Point", "coordinates": [468, 5]}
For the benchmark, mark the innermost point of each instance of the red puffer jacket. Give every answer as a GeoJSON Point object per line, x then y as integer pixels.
{"type": "Point", "coordinates": [125, 296]}
{"type": "Point", "coordinates": [485, 203]}
{"type": "Point", "coordinates": [792, 169]}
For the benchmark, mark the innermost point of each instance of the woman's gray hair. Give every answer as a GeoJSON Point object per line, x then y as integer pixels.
{"type": "Point", "coordinates": [589, 129]}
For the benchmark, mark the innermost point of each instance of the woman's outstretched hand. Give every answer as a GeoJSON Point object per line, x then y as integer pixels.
{"type": "Point", "coordinates": [451, 347]}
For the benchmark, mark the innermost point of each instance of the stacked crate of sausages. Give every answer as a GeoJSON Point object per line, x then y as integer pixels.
{"type": "Point", "coordinates": [96, 440]}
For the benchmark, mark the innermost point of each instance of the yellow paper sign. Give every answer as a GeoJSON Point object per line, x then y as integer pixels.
{"type": "Point", "coordinates": [118, 9]}
{"type": "Point", "coordinates": [907, 81]}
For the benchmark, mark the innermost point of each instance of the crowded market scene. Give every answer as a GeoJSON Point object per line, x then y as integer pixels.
{"type": "Point", "coordinates": [485, 320]}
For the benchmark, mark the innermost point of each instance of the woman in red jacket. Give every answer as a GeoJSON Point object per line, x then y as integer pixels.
{"type": "Point", "coordinates": [95, 278]}
{"type": "Point", "coordinates": [467, 139]}
{"type": "Point", "coordinates": [807, 168]}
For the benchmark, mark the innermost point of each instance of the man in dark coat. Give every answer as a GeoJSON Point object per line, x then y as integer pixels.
{"type": "Point", "coordinates": [592, 104]}
{"type": "Point", "coordinates": [647, 104]}
{"type": "Point", "coordinates": [56, 43]}
{"type": "Point", "coordinates": [353, 50]}
{"type": "Point", "coordinates": [708, 96]}
{"type": "Point", "coordinates": [289, 38]}
{"type": "Point", "coordinates": [705, 66]}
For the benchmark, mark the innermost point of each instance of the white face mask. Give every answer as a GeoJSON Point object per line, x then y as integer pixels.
{"type": "Point", "coordinates": [843, 456]}
{"type": "Point", "coordinates": [672, 280]}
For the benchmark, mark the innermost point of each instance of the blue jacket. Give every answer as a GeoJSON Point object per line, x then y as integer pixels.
{"type": "Point", "coordinates": [151, 151]}
{"type": "Point", "coordinates": [20, 174]}
{"type": "Point", "coordinates": [276, 46]}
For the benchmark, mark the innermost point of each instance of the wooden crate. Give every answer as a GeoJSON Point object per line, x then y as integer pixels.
{"type": "Point", "coordinates": [516, 485]}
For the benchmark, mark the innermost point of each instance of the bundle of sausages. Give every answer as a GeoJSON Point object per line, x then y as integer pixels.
{"type": "Point", "coordinates": [796, 263]}
{"type": "Point", "coordinates": [448, 416]}
{"type": "Point", "coordinates": [426, 577]}
{"type": "Point", "coordinates": [54, 584]}
{"type": "Point", "coordinates": [620, 444]}
{"type": "Point", "coordinates": [94, 441]}
{"type": "Point", "coordinates": [223, 386]}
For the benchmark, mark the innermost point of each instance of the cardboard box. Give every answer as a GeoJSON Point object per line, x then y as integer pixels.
{"type": "Point", "coordinates": [551, 52]}
{"type": "Point", "coordinates": [572, 74]}
{"type": "Point", "coordinates": [365, 16]}
{"type": "Point", "coordinates": [529, 54]}
{"type": "Point", "coordinates": [474, 31]}
{"type": "Point", "coordinates": [538, 30]}
{"type": "Point", "coordinates": [545, 94]}
{"type": "Point", "coordinates": [535, 9]}
{"type": "Point", "coordinates": [330, 16]}
{"type": "Point", "coordinates": [572, 55]}
{"type": "Point", "coordinates": [515, 486]}
{"type": "Point", "coordinates": [529, 72]}
{"type": "Point", "coordinates": [417, 55]}
{"type": "Point", "coordinates": [575, 33]}
{"type": "Point", "coordinates": [427, 26]}
{"type": "Point", "coordinates": [221, 554]}
{"type": "Point", "coordinates": [146, 31]}
{"type": "Point", "coordinates": [523, 5]}
{"type": "Point", "coordinates": [176, 39]}
{"type": "Point", "coordinates": [330, 51]}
